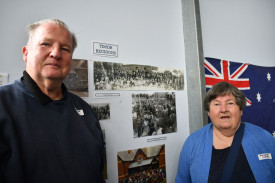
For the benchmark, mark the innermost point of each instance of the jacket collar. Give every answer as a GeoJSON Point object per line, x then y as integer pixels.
{"type": "Point", "coordinates": [35, 90]}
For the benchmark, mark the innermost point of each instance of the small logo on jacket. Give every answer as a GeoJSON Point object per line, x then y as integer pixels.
{"type": "Point", "coordinates": [80, 112]}
{"type": "Point", "coordinates": [264, 156]}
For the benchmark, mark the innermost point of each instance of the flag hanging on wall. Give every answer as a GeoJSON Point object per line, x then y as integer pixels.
{"type": "Point", "coordinates": [256, 82]}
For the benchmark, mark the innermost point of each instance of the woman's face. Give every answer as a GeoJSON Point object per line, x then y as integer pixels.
{"type": "Point", "coordinates": [224, 113]}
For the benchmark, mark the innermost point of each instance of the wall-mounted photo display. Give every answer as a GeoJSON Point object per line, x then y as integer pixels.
{"type": "Point", "coordinates": [3, 78]}
{"type": "Point", "coordinates": [102, 110]}
{"type": "Point", "coordinates": [77, 80]}
{"type": "Point", "coordinates": [118, 76]}
{"type": "Point", "coordinates": [142, 165]}
{"type": "Point", "coordinates": [153, 113]}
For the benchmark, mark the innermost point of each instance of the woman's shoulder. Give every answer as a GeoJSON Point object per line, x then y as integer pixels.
{"type": "Point", "coordinates": [201, 134]}
{"type": "Point", "coordinates": [202, 131]}
{"type": "Point", "coordinates": [249, 127]}
{"type": "Point", "coordinates": [257, 133]}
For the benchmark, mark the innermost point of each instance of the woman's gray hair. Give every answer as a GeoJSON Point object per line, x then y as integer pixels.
{"type": "Point", "coordinates": [222, 89]}
{"type": "Point", "coordinates": [32, 27]}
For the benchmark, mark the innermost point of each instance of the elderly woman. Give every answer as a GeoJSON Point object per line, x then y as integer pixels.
{"type": "Point", "coordinates": [246, 150]}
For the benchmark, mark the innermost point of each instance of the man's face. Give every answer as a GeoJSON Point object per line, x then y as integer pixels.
{"type": "Point", "coordinates": [48, 55]}
{"type": "Point", "coordinates": [224, 113]}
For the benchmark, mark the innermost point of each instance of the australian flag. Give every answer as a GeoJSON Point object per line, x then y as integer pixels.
{"type": "Point", "coordinates": [256, 82]}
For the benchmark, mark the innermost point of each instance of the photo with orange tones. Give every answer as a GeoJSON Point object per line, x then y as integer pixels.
{"type": "Point", "coordinates": [142, 165]}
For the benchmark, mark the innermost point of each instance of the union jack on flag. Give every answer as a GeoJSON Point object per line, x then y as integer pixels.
{"type": "Point", "coordinates": [254, 81]}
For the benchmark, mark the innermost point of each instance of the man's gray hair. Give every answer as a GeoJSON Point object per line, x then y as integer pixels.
{"type": "Point", "coordinates": [32, 27]}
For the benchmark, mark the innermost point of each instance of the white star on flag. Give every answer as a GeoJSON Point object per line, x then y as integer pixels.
{"type": "Point", "coordinates": [268, 76]}
{"type": "Point", "coordinates": [259, 97]}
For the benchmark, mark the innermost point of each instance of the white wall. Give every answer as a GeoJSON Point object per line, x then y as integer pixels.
{"type": "Point", "coordinates": [239, 30]}
{"type": "Point", "coordinates": [147, 32]}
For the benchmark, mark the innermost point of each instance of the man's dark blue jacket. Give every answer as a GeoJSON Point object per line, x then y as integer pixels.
{"type": "Point", "coordinates": [46, 141]}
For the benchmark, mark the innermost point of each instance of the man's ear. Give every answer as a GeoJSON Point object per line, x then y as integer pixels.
{"type": "Point", "coordinates": [25, 53]}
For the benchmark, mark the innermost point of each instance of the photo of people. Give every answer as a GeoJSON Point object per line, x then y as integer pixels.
{"type": "Point", "coordinates": [153, 113]}
{"type": "Point", "coordinates": [142, 165]}
{"type": "Point", "coordinates": [102, 110]}
{"type": "Point", "coordinates": [117, 76]}
{"type": "Point", "coordinates": [77, 80]}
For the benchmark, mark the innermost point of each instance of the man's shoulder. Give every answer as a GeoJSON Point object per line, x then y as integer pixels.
{"type": "Point", "coordinates": [8, 88]}
{"type": "Point", "coordinates": [77, 100]}
{"type": "Point", "coordinates": [75, 97]}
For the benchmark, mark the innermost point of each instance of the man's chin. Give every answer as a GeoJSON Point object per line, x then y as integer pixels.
{"type": "Point", "coordinates": [53, 75]}
{"type": "Point", "coordinates": [55, 78]}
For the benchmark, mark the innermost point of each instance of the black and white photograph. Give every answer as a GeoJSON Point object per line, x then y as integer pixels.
{"type": "Point", "coordinates": [142, 165]}
{"type": "Point", "coordinates": [153, 113]}
{"type": "Point", "coordinates": [77, 80]}
{"type": "Point", "coordinates": [3, 78]}
{"type": "Point", "coordinates": [118, 76]}
{"type": "Point", "coordinates": [102, 110]}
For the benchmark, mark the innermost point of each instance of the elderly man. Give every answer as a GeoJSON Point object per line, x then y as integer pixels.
{"type": "Point", "coordinates": [48, 134]}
